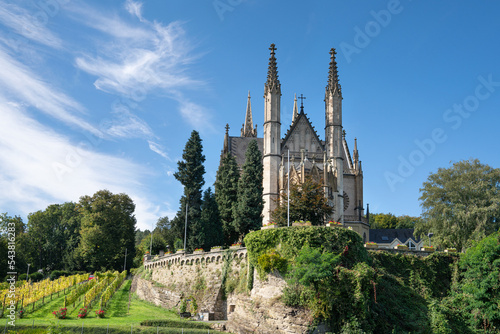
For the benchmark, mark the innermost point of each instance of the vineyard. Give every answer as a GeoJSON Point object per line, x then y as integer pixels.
{"type": "Point", "coordinates": [78, 290]}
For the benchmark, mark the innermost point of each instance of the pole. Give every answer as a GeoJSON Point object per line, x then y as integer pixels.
{"type": "Point", "coordinates": [28, 273]}
{"type": "Point", "coordinates": [151, 244]}
{"type": "Point", "coordinates": [125, 264]}
{"type": "Point", "coordinates": [186, 225]}
{"type": "Point", "coordinates": [288, 194]}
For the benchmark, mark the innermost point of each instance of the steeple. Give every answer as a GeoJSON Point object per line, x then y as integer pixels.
{"type": "Point", "coordinates": [247, 130]}
{"type": "Point", "coordinates": [333, 86]}
{"type": "Point", "coordinates": [295, 109]}
{"type": "Point", "coordinates": [272, 84]}
{"type": "Point", "coordinates": [226, 140]}
{"type": "Point", "coordinates": [355, 153]}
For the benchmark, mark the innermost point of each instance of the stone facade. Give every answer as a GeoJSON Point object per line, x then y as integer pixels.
{"type": "Point", "coordinates": [329, 161]}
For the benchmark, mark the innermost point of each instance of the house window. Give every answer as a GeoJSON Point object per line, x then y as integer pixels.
{"type": "Point", "coordinates": [411, 245]}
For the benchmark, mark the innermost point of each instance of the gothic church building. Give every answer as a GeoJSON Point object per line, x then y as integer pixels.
{"type": "Point", "coordinates": [328, 160]}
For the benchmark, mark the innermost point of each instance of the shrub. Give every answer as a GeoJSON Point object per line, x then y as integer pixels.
{"type": "Point", "coordinates": [272, 261]}
{"type": "Point", "coordinates": [82, 313]}
{"type": "Point", "coordinates": [100, 313]}
{"type": "Point", "coordinates": [61, 314]}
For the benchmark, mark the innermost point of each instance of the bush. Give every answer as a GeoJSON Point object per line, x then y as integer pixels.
{"type": "Point", "coordinates": [272, 261]}
{"type": "Point", "coordinates": [36, 276]}
{"type": "Point", "coordinates": [175, 324]}
{"type": "Point", "coordinates": [55, 274]}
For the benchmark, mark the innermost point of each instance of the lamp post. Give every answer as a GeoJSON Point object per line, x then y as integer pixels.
{"type": "Point", "coordinates": [28, 272]}
{"type": "Point", "coordinates": [288, 192]}
{"type": "Point", "coordinates": [430, 235]}
{"type": "Point", "coordinates": [186, 224]}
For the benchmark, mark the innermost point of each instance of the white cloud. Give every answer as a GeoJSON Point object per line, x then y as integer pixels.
{"type": "Point", "coordinates": [39, 167]}
{"type": "Point", "coordinates": [158, 149]}
{"type": "Point", "coordinates": [134, 8]}
{"type": "Point", "coordinates": [127, 125]}
{"type": "Point", "coordinates": [25, 85]}
{"type": "Point", "coordinates": [31, 26]}
{"type": "Point", "coordinates": [136, 59]}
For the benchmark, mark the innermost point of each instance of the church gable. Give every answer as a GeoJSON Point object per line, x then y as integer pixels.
{"type": "Point", "coordinates": [302, 136]}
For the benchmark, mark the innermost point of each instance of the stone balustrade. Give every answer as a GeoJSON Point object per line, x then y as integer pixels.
{"type": "Point", "coordinates": [192, 258]}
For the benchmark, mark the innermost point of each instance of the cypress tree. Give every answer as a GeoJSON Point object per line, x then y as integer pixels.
{"type": "Point", "coordinates": [190, 174]}
{"type": "Point", "coordinates": [211, 226]}
{"type": "Point", "coordinates": [226, 195]}
{"type": "Point", "coordinates": [248, 210]}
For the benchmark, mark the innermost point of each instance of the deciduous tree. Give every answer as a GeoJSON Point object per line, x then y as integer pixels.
{"type": "Point", "coordinates": [108, 229]}
{"type": "Point", "coordinates": [307, 203]}
{"type": "Point", "coordinates": [461, 204]}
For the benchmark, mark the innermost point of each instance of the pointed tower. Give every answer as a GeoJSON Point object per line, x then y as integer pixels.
{"type": "Point", "coordinates": [272, 139]}
{"type": "Point", "coordinates": [295, 109]}
{"type": "Point", "coordinates": [333, 135]}
{"type": "Point", "coordinates": [248, 130]}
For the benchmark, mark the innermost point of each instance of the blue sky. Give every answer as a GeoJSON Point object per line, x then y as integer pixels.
{"type": "Point", "coordinates": [104, 94]}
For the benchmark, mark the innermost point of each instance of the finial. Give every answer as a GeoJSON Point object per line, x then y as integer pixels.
{"type": "Point", "coordinates": [343, 134]}
{"type": "Point", "coordinates": [227, 128]}
{"type": "Point", "coordinates": [333, 76]}
{"type": "Point", "coordinates": [302, 98]}
{"type": "Point", "coordinates": [295, 109]}
{"type": "Point", "coordinates": [272, 83]}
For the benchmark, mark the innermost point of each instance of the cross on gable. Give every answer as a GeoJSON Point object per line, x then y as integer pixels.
{"type": "Point", "coordinates": [302, 98]}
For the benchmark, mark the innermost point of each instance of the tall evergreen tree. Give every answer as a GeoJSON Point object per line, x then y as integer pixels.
{"type": "Point", "coordinates": [248, 210]}
{"type": "Point", "coordinates": [211, 222]}
{"type": "Point", "coordinates": [226, 195]}
{"type": "Point", "coordinates": [190, 174]}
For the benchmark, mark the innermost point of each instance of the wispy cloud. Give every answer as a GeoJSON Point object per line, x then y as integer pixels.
{"type": "Point", "coordinates": [25, 85]}
{"type": "Point", "coordinates": [24, 23]}
{"type": "Point", "coordinates": [134, 8]}
{"type": "Point", "coordinates": [155, 147]}
{"type": "Point", "coordinates": [127, 125]}
{"type": "Point", "coordinates": [39, 167]}
{"type": "Point", "coordinates": [140, 58]}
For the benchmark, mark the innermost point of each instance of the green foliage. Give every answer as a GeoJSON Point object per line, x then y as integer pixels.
{"type": "Point", "coordinates": [272, 261]}
{"type": "Point", "coordinates": [388, 220]}
{"type": "Point", "coordinates": [108, 229]}
{"type": "Point", "coordinates": [248, 210]}
{"type": "Point", "coordinates": [307, 202]}
{"type": "Point", "coordinates": [478, 287]}
{"type": "Point", "coordinates": [289, 241]}
{"type": "Point", "coordinates": [210, 231]}
{"type": "Point", "coordinates": [226, 195]}
{"type": "Point", "coordinates": [461, 204]}
{"type": "Point", "coordinates": [175, 324]}
{"type": "Point", "coordinates": [190, 173]}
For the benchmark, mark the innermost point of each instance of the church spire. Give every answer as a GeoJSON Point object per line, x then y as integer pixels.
{"type": "Point", "coordinates": [295, 109]}
{"type": "Point", "coordinates": [333, 76]}
{"type": "Point", "coordinates": [247, 130]}
{"type": "Point", "coordinates": [355, 153]}
{"type": "Point", "coordinates": [272, 83]}
{"type": "Point", "coordinates": [226, 141]}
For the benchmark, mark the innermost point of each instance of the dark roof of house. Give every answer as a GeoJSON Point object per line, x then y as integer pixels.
{"type": "Point", "coordinates": [387, 235]}
{"type": "Point", "coordinates": [238, 147]}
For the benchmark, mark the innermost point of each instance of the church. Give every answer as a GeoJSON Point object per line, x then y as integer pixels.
{"type": "Point", "coordinates": [328, 160]}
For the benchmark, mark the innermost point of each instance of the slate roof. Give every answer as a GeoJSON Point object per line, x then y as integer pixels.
{"type": "Point", "coordinates": [238, 146]}
{"type": "Point", "coordinates": [387, 235]}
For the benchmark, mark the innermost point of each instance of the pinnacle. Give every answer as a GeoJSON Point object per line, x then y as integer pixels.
{"type": "Point", "coordinates": [333, 76]}
{"type": "Point", "coordinates": [273, 82]}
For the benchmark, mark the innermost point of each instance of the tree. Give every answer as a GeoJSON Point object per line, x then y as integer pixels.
{"type": "Point", "coordinates": [307, 202]}
{"type": "Point", "coordinates": [461, 204]}
{"type": "Point", "coordinates": [211, 222]}
{"type": "Point", "coordinates": [164, 227]}
{"type": "Point", "coordinates": [108, 229]}
{"type": "Point", "coordinates": [190, 174]}
{"type": "Point", "coordinates": [12, 229]}
{"type": "Point", "coordinates": [226, 195]}
{"type": "Point", "coordinates": [248, 209]}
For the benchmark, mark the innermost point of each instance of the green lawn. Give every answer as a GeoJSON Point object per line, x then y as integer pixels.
{"type": "Point", "coordinates": [118, 317]}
